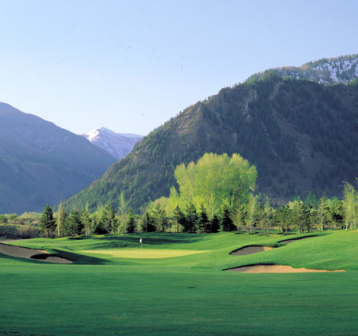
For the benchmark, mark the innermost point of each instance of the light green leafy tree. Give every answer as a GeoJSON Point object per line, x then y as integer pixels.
{"type": "Point", "coordinates": [251, 212]}
{"type": "Point", "coordinates": [215, 180]}
{"type": "Point", "coordinates": [86, 220]}
{"type": "Point", "coordinates": [60, 219]}
{"type": "Point", "coordinates": [122, 207]}
{"type": "Point", "coordinates": [349, 205]}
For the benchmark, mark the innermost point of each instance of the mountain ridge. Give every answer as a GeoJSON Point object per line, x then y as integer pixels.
{"type": "Point", "coordinates": [299, 134]}
{"type": "Point", "coordinates": [116, 144]}
{"type": "Point", "coordinates": [326, 71]}
{"type": "Point", "coordinates": [41, 162]}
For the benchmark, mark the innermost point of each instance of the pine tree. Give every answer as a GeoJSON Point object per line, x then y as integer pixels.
{"type": "Point", "coordinates": [147, 223]}
{"type": "Point", "coordinates": [191, 218]}
{"type": "Point", "coordinates": [178, 217]}
{"type": "Point", "coordinates": [47, 222]}
{"type": "Point", "coordinates": [74, 224]}
{"type": "Point", "coordinates": [203, 220]}
{"type": "Point", "coordinates": [160, 218]}
{"type": "Point", "coordinates": [215, 224]}
{"type": "Point", "coordinates": [226, 221]}
{"type": "Point", "coordinates": [130, 224]}
{"type": "Point", "coordinates": [110, 220]}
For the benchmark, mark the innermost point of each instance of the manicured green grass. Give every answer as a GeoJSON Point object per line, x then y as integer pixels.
{"type": "Point", "coordinates": [184, 295]}
{"type": "Point", "coordinates": [140, 253]}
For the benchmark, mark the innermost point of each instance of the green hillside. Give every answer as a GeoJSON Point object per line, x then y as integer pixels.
{"type": "Point", "coordinates": [40, 162]}
{"type": "Point", "coordinates": [300, 135]}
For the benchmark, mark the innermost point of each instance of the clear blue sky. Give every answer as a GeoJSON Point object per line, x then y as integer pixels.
{"type": "Point", "coordinates": [131, 65]}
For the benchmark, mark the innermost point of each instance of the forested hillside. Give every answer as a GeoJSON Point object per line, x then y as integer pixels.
{"type": "Point", "coordinates": [300, 135]}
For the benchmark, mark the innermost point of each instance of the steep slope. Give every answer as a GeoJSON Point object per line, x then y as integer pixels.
{"type": "Point", "coordinates": [40, 162]}
{"type": "Point", "coordinates": [116, 144]}
{"type": "Point", "coordinates": [326, 71]}
{"type": "Point", "coordinates": [301, 136]}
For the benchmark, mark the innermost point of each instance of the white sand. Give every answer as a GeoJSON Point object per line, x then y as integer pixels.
{"type": "Point", "coordinates": [275, 269]}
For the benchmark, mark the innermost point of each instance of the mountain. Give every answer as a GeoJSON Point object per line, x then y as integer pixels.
{"type": "Point", "coordinates": [302, 137]}
{"type": "Point", "coordinates": [40, 162]}
{"type": "Point", "coordinates": [326, 71]}
{"type": "Point", "coordinates": [116, 144]}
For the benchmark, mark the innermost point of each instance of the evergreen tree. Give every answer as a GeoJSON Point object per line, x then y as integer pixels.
{"type": "Point", "coordinates": [226, 221]}
{"type": "Point", "coordinates": [109, 219]}
{"type": "Point", "coordinates": [98, 227]}
{"type": "Point", "coordinates": [191, 218]}
{"type": "Point", "coordinates": [178, 217]}
{"type": "Point", "coordinates": [308, 216]}
{"type": "Point", "coordinates": [148, 223]}
{"type": "Point", "coordinates": [281, 218]}
{"type": "Point", "coordinates": [130, 224]}
{"type": "Point", "coordinates": [336, 214]}
{"type": "Point", "coordinates": [160, 218]}
{"type": "Point", "coordinates": [47, 222]}
{"type": "Point", "coordinates": [203, 220]}
{"type": "Point", "coordinates": [215, 224]}
{"type": "Point", "coordinates": [300, 216]}
{"type": "Point", "coordinates": [74, 225]}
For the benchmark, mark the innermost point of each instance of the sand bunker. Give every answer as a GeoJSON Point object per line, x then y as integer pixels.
{"type": "Point", "coordinates": [287, 241]}
{"type": "Point", "coordinates": [275, 269]}
{"type": "Point", "coordinates": [250, 250]}
{"type": "Point", "coordinates": [23, 252]}
{"type": "Point", "coordinates": [144, 253]}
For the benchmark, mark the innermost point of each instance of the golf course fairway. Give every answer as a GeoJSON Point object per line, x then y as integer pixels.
{"type": "Point", "coordinates": [144, 254]}
{"type": "Point", "coordinates": [109, 294]}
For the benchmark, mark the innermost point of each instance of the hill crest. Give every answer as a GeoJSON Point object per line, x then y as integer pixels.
{"type": "Point", "coordinates": [326, 71]}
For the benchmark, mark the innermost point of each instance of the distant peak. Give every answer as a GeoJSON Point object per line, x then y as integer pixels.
{"type": "Point", "coordinates": [326, 71]}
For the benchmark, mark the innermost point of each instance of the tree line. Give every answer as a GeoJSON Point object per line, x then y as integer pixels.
{"type": "Point", "coordinates": [215, 194]}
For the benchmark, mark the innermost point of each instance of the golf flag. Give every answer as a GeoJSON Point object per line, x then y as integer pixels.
{"type": "Point", "coordinates": [140, 240]}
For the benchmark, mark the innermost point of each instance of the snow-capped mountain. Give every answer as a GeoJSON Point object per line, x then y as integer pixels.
{"type": "Point", "coordinates": [326, 71]}
{"type": "Point", "coordinates": [41, 162]}
{"type": "Point", "coordinates": [116, 144]}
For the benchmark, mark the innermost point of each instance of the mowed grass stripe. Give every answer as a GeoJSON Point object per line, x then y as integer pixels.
{"type": "Point", "coordinates": [144, 253]}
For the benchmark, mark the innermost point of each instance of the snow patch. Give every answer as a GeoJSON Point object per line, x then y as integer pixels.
{"type": "Point", "coordinates": [116, 144]}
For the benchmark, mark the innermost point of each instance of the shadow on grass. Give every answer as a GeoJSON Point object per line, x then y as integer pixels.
{"type": "Point", "coordinates": [80, 259]}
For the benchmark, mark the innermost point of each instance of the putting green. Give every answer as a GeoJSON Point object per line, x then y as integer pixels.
{"type": "Point", "coordinates": [144, 253]}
